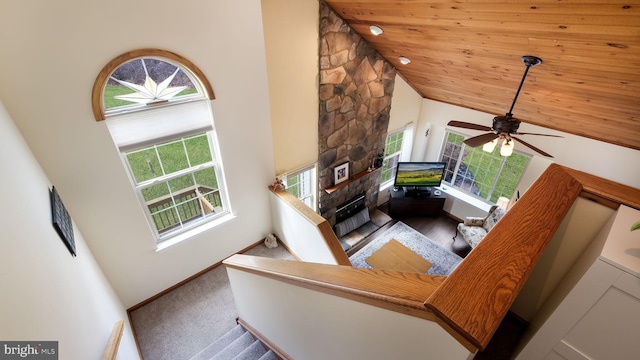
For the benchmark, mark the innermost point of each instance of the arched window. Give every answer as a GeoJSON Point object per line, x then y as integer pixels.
{"type": "Point", "coordinates": [156, 105]}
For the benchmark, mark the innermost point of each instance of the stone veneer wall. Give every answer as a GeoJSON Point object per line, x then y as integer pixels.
{"type": "Point", "coordinates": [356, 86]}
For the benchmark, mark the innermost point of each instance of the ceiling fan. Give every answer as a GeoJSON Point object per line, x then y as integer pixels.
{"type": "Point", "coordinates": [504, 127]}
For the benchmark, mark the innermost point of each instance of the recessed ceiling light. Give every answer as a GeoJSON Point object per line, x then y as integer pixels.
{"type": "Point", "coordinates": [404, 60]}
{"type": "Point", "coordinates": [376, 30]}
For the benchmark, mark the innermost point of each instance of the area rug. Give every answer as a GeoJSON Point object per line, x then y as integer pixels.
{"type": "Point", "coordinates": [378, 219]}
{"type": "Point", "coordinates": [443, 260]}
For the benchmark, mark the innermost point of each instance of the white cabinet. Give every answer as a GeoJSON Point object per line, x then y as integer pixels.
{"type": "Point", "coordinates": [595, 312]}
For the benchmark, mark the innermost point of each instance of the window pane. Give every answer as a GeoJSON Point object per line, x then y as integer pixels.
{"type": "Point", "coordinates": [155, 192]}
{"type": "Point", "coordinates": [393, 143]}
{"type": "Point", "coordinates": [388, 168]}
{"type": "Point", "coordinates": [189, 207]}
{"type": "Point", "coordinates": [185, 202]}
{"type": "Point", "coordinates": [198, 150]}
{"type": "Point", "coordinates": [482, 168]}
{"type": "Point", "coordinates": [165, 218]}
{"type": "Point", "coordinates": [392, 154]}
{"type": "Point", "coordinates": [181, 183]}
{"type": "Point", "coordinates": [293, 186]}
{"type": "Point", "coordinates": [302, 185]}
{"type": "Point", "coordinates": [144, 164]}
{"type": "Point", "coordinates": [173, 157]}
{"type": "Point", "coordinates": [207, 177]}
{"type": "Point", "coordinates": [142, 81]}
{"type": "Point", "coordinates": [510, 176]}
{"type": "Point", "coordinates": [111, 91]}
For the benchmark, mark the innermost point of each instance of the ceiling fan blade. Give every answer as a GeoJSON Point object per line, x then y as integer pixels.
{"type": "Point", "coordinates": [521, 133]}
{"type": "Point", "coordinates": [467, 125]}
{"type": "Point", "coordinates": [480, 139]}
{"type": "Point", "coordinates": [531, 147]}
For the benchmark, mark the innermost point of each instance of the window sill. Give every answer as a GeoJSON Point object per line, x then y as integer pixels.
{"type": "Point", "coordinates": [385, 186]}
{"type": "Point", "coordinates": [466, 198]}
{"type": "Point", "coordinates": [193, 232]}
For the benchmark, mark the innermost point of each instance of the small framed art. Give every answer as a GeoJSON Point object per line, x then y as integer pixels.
{"type": "Point", "coordinates": [341, 173]}
{"type": "Point", "coordinates": [62, 221]}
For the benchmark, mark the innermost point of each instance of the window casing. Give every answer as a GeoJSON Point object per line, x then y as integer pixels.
{"type": "Point", "coordinates": [302, 184]}
{"type": "Point", "coordinates": [157, 109]}
{"type": "Point", "coordinates": [486, 176]}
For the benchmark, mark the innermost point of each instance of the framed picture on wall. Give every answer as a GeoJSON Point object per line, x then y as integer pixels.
{"type": "Point", "coordinates": [341, 173]}
{"type": "Point", "coordinates": [62, 221]}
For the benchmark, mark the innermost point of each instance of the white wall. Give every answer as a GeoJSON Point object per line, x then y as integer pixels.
{"type": "Point", "coordinates": [580, 226]}
{"type": "Point", "coordinates": [341, 328]}
{"type": "Point", "coordinates": [299, 234]}
{"type": "Point", "coordinates": [46, 293]}
{"type": "Point", "coordinates": [51, 54]}
{"type": "Point", "coordinates": [291, 39]}
{"type": "Point", "coordinates": [405, 105]}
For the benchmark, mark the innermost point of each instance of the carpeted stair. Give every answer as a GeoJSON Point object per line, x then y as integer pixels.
{"type": "Point", "coordinates": [236, 344]}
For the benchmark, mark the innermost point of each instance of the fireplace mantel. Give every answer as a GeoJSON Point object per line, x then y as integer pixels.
{"type": "Point", "coordinates": [355, 177]}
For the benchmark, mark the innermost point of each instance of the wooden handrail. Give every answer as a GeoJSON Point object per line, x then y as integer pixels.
{"type": "Point", "coordinates": [605, 191]}
{"type": "Point", "coordinates": [402, 292]}
{"type": "Point", "coordinates": [323, 226]}
{"type": "Point", "coordinates": [393, 290]}
{"type": "Point", "coordinates": [111, 350]}
{"type": "Point", "coordinates": [476, 296]}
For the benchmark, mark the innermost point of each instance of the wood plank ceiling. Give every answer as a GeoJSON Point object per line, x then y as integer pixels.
{"type": "Point", "coordinates": [468, 53]}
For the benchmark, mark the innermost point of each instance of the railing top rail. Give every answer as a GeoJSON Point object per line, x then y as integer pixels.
{"type": "Point", "coordinates": [111, 350]}
{"type": "Point", "coordinates": [477, 295]}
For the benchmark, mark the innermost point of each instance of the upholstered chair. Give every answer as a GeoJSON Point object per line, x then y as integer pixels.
{"type": "Point", "coordinates": [474, 229]}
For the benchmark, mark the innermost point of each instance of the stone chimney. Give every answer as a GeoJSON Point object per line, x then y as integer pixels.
{"type": "Point", "coordinates": [356, 86]}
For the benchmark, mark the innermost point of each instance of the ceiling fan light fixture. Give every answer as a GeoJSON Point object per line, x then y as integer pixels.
{"type": "Point", "coordinates": [488, 147]}
{"type": "Point", "coordinates": [404, 60]}
{"type": "Point", "coordinates": [376, 30]}
{"type": "Point", "coordinates": [507, 148]}
{"type": "Point", "coordinates": [504, 126]}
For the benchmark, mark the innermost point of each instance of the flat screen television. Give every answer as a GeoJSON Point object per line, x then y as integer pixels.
{"type": "Point", "coordinates": [419, 174]}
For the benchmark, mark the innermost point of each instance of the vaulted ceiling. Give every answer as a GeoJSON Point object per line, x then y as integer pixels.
{"type": "Point", "coordinates": [468, 53]}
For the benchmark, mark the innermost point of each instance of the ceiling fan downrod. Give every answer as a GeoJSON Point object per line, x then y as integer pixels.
{"type": "Point", "coordinates": [528, 61]}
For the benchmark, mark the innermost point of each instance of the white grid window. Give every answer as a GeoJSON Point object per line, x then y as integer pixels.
{"type": "Point", "coordinates": [177, 182]}
{"type": "Point", "coordinates": [302, 184]}
{"type": "Point", "coordinates": [397, 148]}
{"type": "Point", "coordinates": [159, 116]}
{"type": "Point", "coordinates": [486, 176]}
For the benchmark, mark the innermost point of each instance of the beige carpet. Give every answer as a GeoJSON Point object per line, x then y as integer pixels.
{"type": "Point", "coordinates": [184, 321]}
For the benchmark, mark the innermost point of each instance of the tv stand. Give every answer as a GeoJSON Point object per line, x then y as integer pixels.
{"type": "Point", "coordinates": [416, 192]}
{"type": "Point", "coordinates": [405, 203]}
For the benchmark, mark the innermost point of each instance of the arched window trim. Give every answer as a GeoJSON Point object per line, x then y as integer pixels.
{"type": "Point", "coordinates": [97, 95]}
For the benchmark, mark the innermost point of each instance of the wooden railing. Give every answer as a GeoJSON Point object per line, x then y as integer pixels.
{"type": "Point", "coordinates": [477, 295]}
{"type": "Point", "coordinates": [472, 301]}
{"type": "Point", "coordinates": [192, 203]}
{"type": "Point", "coordinates": [111, 350]}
